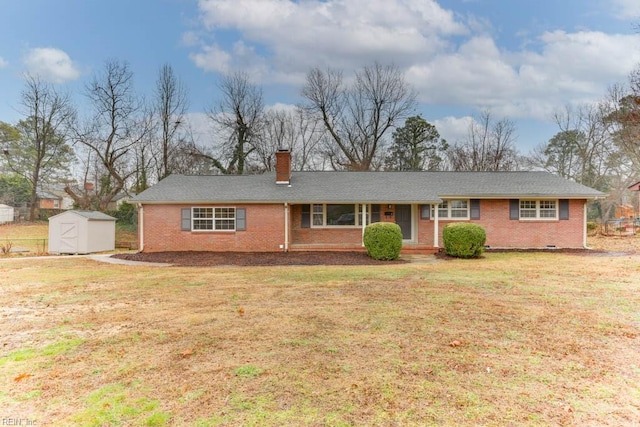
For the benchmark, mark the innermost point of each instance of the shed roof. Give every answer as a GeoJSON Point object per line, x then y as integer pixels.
{"type": "Point", "coordinates": [364, 187]}
{"type": "Point", "coordinates": [89, 215]}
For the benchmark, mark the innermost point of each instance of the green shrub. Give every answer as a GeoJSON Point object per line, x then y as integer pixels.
{"type": "Point", "coordinates": [383, 240]}
{"type": "Point", "coordinates": [127, 213]}
{"type": "Point", "coordinates": [464, 240]}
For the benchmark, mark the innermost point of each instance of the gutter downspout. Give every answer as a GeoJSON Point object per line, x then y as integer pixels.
{"type": "Point", "coordinates": [584, 225]}
{"type": "Point", "coordinates": [286, 227]}
{"type": "Point", "coordinates": [140, 227]}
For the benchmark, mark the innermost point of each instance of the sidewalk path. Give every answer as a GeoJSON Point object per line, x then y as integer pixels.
{"type": "Point", "coordinates": [106, 258]}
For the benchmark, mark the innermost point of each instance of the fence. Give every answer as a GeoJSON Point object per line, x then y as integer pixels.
{"type": "Point", "coordinates": [621, 227]}
{"type": "Point", "coordinates": [23, 246]}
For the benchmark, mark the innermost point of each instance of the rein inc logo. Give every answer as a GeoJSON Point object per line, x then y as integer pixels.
{"type": "Point", "coordinates": [10, 421]}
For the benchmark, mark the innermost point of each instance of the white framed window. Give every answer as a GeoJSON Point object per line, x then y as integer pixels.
{"type": "Point", "coordinates": [337, 215]}
{"type": "Point", "coordinates": [452, 209]}
{"type": "Point", "coordinates": [539, 209]}
{"type": "Point", "coordinates": [213, 219]}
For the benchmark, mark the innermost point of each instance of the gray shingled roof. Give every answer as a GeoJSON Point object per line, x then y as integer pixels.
{"type": "Point", "coordinates": [364, 187]}
{"type": "Point", "coordinates": [90, 215]}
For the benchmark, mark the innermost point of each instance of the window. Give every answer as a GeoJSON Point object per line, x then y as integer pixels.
{"type": "Point", "coordinates": [453, 209]}
{"type": "Point", "coordinates": [215, 219]}
{"type": "Point", "coordinates": [538, 209]}
{"type": "Point", "coordinates": [318, 215]}
{"type": "Point", "coordinates": [459, 209]}
{"type": "Point", "coordinates": [339, 215]}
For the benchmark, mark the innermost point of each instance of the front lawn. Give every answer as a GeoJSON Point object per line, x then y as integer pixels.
{"type": "Point", "coordinates": [513, 338]}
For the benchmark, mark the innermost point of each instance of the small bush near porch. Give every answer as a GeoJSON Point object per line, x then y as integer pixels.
{"type": "Point", "coordinates": [383, 240]}
{"type": "Point", "coordinates": [464, 240]}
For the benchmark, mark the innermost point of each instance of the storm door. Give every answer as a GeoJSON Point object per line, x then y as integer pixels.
{"type": "Point", "coordinates": [403, 219]}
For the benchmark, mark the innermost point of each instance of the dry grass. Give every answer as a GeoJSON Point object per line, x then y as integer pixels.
{"type": "Point", "coordinates": [511, 339]}
{"type": "Point", "coordinates": [31, 238]}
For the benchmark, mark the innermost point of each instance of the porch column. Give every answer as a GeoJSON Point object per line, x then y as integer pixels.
{"type": "Point", "coordinates": [363, 221]}
{"type": "Point", "coordinates": [436, 226]}
{"type": "Point", "coordinates": [286, 227]}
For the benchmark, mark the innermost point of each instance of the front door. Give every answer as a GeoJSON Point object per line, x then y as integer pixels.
{"type": "Point", "coordinates": [403, 219]}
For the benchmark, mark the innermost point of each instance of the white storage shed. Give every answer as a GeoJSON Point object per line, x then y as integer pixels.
{"type": "Point", "coordinates": [6, 214]}
{"type": "Point", "coordinates": [81, 232]}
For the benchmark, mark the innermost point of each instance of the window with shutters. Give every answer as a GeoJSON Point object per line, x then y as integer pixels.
{"type": "Point", "coordinates": [452, 209]}
{"type": "Point", "coordinates": [213, 219]}
{"type": "Point", "coordinates": [539, 209]}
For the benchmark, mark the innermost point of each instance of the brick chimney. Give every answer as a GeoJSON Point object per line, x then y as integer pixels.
{"type": "Point", "coordinates": [283, 166]}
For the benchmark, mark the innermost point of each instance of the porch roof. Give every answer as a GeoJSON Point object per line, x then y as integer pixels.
{"type": "Point", "coordinates": [362, 187]}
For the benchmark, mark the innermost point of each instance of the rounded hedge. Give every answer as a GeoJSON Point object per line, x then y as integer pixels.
{"type": "Point", "coordinates": [464, 240]}
{"type": "Point", "coordinates": [383, 240]}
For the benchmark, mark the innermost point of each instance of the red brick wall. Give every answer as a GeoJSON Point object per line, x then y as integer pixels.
{"type": "Point", "coordinates": [48, 204]}
{"type": "Point", "coordinates": [265, 229]}
{"type": "Point", "coordinates": [264, 233]}
{"type": "Point", "coordinates": [503, 232]}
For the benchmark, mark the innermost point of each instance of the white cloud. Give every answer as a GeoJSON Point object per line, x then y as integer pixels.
{"type": "Point", "coordinates": [51, 64]}
{"type": "Point", "coordinates": [453, 129]}
{"type": "Point", "coordinates": [3, 63]}
{"type": "Point", "coordinates": [566, 68]}
{"type": "Point", "coordinates": [626, 9]}
{"type": "Point", "coordinates": [299, 35]}
{"type": "Point", "coordinates": [212, 58]}
{"type": "Point", "coordinates": [450, 61]}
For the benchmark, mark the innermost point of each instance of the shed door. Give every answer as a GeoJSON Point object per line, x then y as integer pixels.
{"type": "Point", "coordinates": [403, 219]}
{"type": "Point", "coordinates": [68, 237]}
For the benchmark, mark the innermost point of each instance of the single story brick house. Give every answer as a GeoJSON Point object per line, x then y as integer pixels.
{"type": "Point", "coordinates": [289, 211]}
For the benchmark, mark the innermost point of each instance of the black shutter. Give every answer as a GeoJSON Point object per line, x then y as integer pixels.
{"type": "Point", "coordinates": [425, 211]}
{"type": "Point", "coordinates": [186, 219]}
{"type": "Point", "coordinates": [375, 213]}
{"type": "Point", "coordinates": [305, 220]}
{"type": "Point", "coordinates": [475, 208]}
{"type": "Point", "coordinates": [564, 209]}
{"type": "Point", "coordinates": [514, 209]}
{"type": "Point", "coordinates": [241, 219]}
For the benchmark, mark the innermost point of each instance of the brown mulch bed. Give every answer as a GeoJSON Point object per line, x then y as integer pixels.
{"type": "Point", "coordinates": [203, 259]}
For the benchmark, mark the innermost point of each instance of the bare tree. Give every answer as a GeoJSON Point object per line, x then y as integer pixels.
{"type": "Point", "coordinates": [358, 117]}
{"type": "Point", "coordinates": [239, 118]}
{"type": "Point", "coordinates": [296, 131]}
{"type": "Point", "coordinates": [170, 106]}
{"type": "Point", "coordinates": [490, 146]}
{"type": "Point", "coordinates": [41, 153]}
{"type": "Point", "coordinates": [118, 123]}
{"type": "Point", "coordinates": [596, 161]}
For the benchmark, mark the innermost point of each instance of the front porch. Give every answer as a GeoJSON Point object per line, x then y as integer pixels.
{"type": "Point", "coordinates": [327, 227]}
{"type": "Point", "coordinates": [407, 248]}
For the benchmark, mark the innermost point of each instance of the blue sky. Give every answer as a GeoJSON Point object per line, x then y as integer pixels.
{"type": "Point", "coordinates": [522, 59]}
